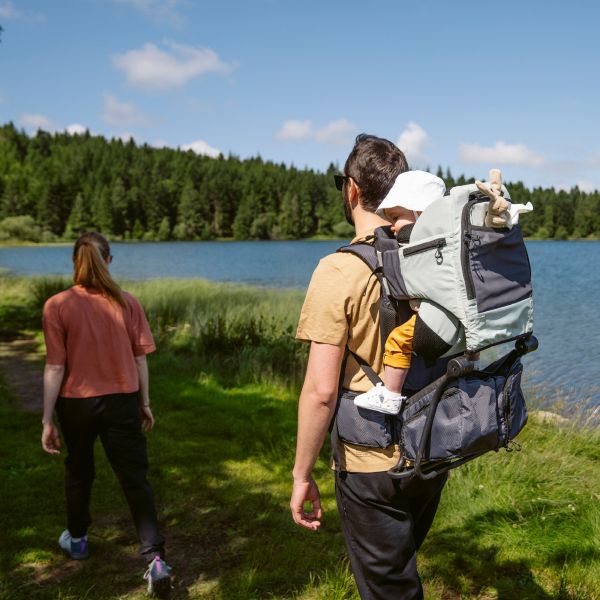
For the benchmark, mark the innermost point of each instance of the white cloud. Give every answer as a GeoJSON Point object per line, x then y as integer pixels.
{"type": "Point", "coordinates": [593, 162]}
{"type": "Point", "coordinates": [121, 113]}
{"type": "Point", "coordinates": [413, 141]}
{"type": "Point", "coordinates": [501, 154]}
{"type": "Point", "coordinates": [335, 132]}
{"type": "Point", "coordinates": [36, 121]}
{"type": "Point", "coordinates": [295, 131]}
{"type": "Point", "coordinates": [587, 186]}
{"type": "Point", "coordinates": [75, 129]}
{"type": "Point", "coordinates": [201, 147]}
{"type": "Point", "coordinates": [9, 11]}
{"type": "Point", "coordinates": [158, 10]}
{"type": "Point", "coordinates": [151, 68]}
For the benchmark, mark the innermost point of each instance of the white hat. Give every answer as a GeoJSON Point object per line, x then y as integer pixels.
{"type": "Point", "coordinates": [414, 190]}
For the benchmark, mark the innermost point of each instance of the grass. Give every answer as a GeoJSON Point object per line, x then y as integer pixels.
{"type": "Point", "coordinates": [521, 525]}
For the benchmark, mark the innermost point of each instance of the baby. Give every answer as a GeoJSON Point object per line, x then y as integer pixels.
{"type": "Point", "coordinates": [410, 195]}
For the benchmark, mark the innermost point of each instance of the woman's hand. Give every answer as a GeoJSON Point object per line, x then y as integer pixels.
{"type": "Point", "coordinates": [50, 438]}
{"type": "Point", "coordinates": [147, 417]}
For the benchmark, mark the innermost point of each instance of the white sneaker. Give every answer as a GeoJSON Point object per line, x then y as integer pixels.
{"type": "Point", "coordinates": [76, 548]}
{"type": "Point", "coordinates": [158, 576]}
{"type": "Point", "coordinates": [379, 398]}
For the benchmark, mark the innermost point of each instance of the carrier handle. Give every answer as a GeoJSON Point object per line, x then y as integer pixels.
{"type": "Point", "coordinates": [525, 345]}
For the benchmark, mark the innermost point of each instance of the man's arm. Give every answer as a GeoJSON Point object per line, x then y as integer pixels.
{"type": "Point", "coordinates": [53, 376]}
{"type": "Point", "coordinates": [315, 411]}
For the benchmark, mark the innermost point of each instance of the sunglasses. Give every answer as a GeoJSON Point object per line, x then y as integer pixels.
{"type": "Point", "coordinates": [340, 180]}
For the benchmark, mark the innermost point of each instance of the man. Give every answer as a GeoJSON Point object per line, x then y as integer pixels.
{"type": "Point", "coordinates": [384, 521]}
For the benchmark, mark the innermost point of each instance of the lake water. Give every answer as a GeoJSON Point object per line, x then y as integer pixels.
{"type": "Point", "coordinates": [566, 283]}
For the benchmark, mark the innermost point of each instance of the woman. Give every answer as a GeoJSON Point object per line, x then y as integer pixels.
{"type": "Point", "coordinates": [96, 376]}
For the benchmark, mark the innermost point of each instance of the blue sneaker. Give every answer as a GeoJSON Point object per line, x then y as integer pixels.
{"type": "Point", "coordinates": [76, 548]}
{"type": "Point", "coordinates": [158, 578]}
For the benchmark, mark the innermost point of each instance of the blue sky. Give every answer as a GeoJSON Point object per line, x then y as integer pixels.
{"type": "Point", "coordinates": [464, 84]}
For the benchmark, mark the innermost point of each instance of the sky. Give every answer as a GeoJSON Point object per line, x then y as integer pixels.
{"type": "Point", "coordinates": [468, 85]}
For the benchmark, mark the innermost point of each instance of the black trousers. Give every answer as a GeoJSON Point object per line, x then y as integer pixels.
{"type": "Point", "coordinates": [384, 522]}
{"type": "Point", "coordinates": [116, 420]}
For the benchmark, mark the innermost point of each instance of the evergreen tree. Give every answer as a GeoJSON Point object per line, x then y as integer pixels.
{"type": "Point", "coordinates": [192, 219]}
{"type": "Point", "coordinates": [102, 211]}
{"type": "Point", "coordinates": [80, 217]}
{"type": "Point", "coordinates": [164, 230]}
{"type": "Point", "coordinates": [66, 183]}
{"type": "Point", "coordinates": [138, 230]}
{"type": "Point", "coordinates": [119, 208]}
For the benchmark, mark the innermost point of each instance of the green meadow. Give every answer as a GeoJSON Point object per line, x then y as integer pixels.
{"type": "Point", "coordinates": [224, 387]}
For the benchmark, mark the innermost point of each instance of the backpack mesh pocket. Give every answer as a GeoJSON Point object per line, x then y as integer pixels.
{"type": "Point", "coordinates": [477, 413]}
{"type": "Point", "coordinates": [362, 426]}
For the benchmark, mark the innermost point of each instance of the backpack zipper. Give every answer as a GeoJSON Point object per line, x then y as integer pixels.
{"type": "Point", "coordinates": [464, 255]}
{"type": "Point", "coordinates": [438, 243]}
{"type": "Point", "coordinates": [506, 411]}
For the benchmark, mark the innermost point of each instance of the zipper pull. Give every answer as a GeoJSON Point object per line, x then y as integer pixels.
{"type": "Point", "coordinates": [439, 258]}
{"type": "Point", "coordinates": [471, 238]}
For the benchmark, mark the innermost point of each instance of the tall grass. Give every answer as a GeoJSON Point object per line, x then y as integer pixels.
{"type": "Point", "coordinates": [241, 333]}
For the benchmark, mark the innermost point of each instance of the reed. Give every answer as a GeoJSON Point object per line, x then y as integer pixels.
{"type": "Point", "coordinates": [240, 333]}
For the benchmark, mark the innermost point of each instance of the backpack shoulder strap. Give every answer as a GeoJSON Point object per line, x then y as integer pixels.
{"type": "Point", "coordinates": [367, 253]}
{"type": "Point", "coordinates": [387, 312]}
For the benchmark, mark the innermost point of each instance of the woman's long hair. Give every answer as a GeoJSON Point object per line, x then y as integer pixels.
{"type": "Point", "coordinates": [90, 261]}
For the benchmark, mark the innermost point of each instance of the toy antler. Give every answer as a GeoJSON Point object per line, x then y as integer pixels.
{"type": "Point", "coordinates": [496, 215]}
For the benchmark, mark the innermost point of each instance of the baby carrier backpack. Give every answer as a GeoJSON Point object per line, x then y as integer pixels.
{"type": "Point", "coordinates": [474, 283]}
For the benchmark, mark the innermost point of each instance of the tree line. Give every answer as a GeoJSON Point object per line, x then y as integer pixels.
{"type": "Point", "coordinates": [54, 186]}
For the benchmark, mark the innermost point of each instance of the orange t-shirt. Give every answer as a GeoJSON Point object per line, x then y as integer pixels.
{"type": "Point", "coordinates": [97, 340]}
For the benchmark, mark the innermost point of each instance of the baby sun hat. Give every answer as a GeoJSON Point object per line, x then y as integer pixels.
{"type": "Point", "coordinates": [414, 190]}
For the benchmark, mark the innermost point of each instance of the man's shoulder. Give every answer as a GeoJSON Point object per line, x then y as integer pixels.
{"type": "Point", "coordinates": [345, 263]}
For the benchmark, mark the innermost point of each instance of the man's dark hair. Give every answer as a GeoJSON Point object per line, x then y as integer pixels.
{"type": "Point", "coordinates": [374, 164]}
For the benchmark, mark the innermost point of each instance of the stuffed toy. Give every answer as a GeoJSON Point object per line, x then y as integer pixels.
{"type": "Point", "coordinates": [498, 212]}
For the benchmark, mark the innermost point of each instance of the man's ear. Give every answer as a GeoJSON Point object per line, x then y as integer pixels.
{"type": "Point", "coordinates": [353, 192]}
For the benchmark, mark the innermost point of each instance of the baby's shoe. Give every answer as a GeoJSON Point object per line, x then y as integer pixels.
{"type": "Point", "coordinates": [381, 399]}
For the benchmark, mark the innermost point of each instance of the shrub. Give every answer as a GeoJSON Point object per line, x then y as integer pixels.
{"type": "Point", "coordinates": [22, 228]}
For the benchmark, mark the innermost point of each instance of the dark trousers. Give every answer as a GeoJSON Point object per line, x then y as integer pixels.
{"type": "Point", "coordinates": [116, 420]}
{"type": "Point", "coordinates": [384, 522]}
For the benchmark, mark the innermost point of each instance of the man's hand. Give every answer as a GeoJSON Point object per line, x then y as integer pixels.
{"type": "Point", "coordinates": [306, 491]}
{"type": "Point", "coordinates": [50, 438]}
{"type": "Point", "coordinates": [147, 417]}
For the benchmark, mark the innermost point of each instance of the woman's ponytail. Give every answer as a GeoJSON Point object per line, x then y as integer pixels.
{"type": "Point", "coordinates": [90, 262]}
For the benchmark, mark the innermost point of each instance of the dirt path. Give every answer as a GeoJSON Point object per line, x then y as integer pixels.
{"type": "Point", "coordinates": [21, 369]}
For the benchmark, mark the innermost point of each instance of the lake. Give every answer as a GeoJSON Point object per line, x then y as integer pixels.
{"type": "Point", "coordinates": [565, 279]}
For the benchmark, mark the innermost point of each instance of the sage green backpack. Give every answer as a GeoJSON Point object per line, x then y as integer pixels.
{"type": "Point", "coordinates": [474, 281]}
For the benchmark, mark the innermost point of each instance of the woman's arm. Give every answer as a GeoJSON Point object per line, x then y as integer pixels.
{"type": "Point", "coordinates": [145, 412]}
{"type": "Point", "coordinates": [53, 377]}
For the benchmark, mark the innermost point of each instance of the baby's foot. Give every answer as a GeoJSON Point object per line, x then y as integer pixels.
{"type": "Point", "coordinates": [381, 399]}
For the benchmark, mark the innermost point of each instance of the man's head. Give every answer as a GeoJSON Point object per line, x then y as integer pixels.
{"type": "Point", "coordinates": [373, 166]}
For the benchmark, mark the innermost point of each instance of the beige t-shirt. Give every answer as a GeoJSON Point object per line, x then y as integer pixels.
{"type": "Point", "coordinates": [342, 308]}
